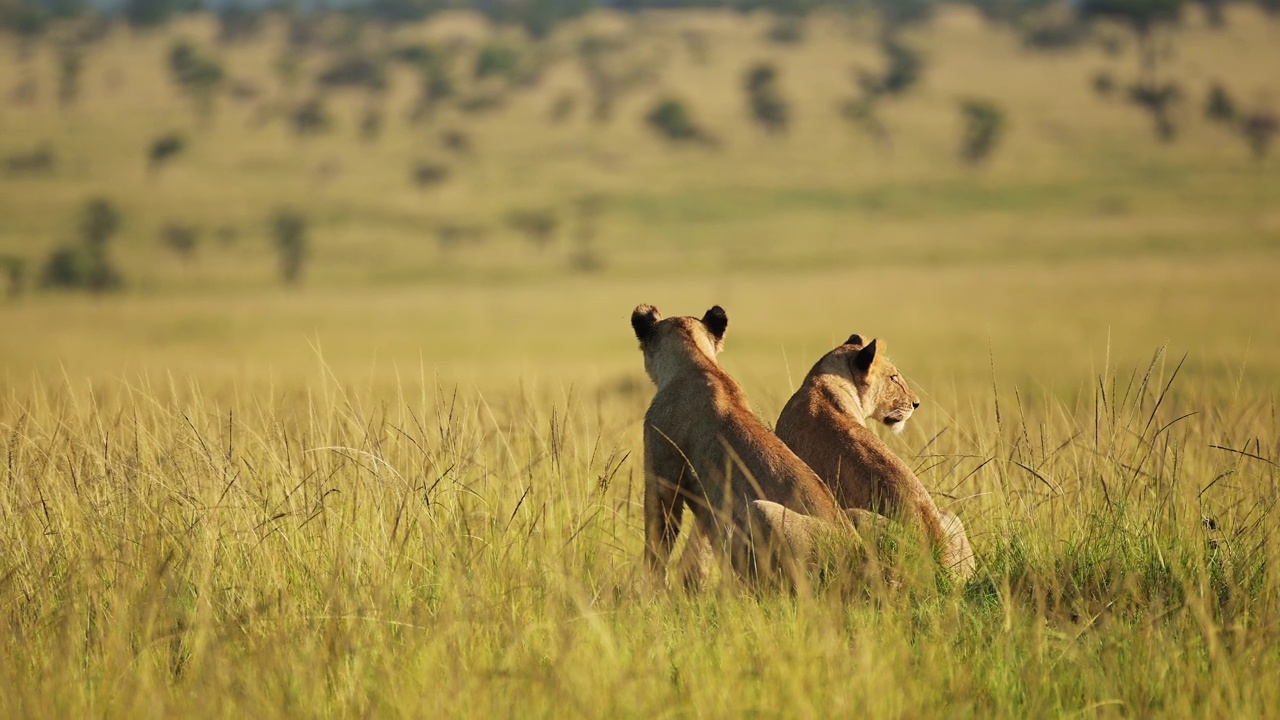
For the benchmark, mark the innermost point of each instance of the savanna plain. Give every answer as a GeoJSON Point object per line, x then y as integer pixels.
{"type": "Point", "coordinates": [409, 483]}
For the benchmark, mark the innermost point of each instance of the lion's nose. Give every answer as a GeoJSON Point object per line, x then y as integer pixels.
{"type": "Point", "coordinates": [915, 404]}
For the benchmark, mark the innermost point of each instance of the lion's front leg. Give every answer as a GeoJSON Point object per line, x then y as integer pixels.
{"type": "Point", "coordinates": [697, 560]}
{"type": "Point", "coordinates": [663, 510]}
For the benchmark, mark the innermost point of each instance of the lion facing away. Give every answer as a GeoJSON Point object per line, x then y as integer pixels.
{"type": "Point", "coordinates": [705, 450]}
{"type": "Point", "coordinates": [825, 423]}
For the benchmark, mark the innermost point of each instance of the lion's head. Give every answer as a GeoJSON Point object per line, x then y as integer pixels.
{"type": "Point", "coordinates": [671, 343]}
{"type": "Point", "coordinates": [882, 391]}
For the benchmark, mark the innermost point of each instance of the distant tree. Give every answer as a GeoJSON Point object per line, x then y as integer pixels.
{"type": "Point", "coordinates": [984, 125]}
{"type": "Point", "coordinates": [482, 102]}
{"type": "Point", "coordinates": [25, 18]}
{"type": "Point", "coordinates": [70, 64]}
{"type": "Point", "coordinates": [165, 148]}
{"type": "Point", "coordinates": [456, 141]}
{"type": "Point", "coordinates": [14, 270]}
{"type": "Point", "coordinates": [900, 14]}
{"type": "Point", "coordinates": [595, 54]}
{"type": "Point", "coordinates": [99, 221]}
{"type": "Point", "coordinates": [1160, 100]}
{"type": "Point", "coordinates": [87, 264]}
{"type": "Point", "coordinates": [764, 99]}
{"type": "Point", "coordinates": [861, 112]}
{"type": "Point", "coordinates": [903, 68]}
{"type": "Point", "coordinates": [149, 13]}
{"type": "Point", "coordinates": [436, 85]}
{"type": "Point", "coordinates": [401, 11]}
{"type": "Point", "coordinates": [585, 257]}
{"type": "Point", "coordinates": [357, 70]}
{"type": "Point", "coordinates": [181, 239]}
{"type": "Point", "coordinates": [418, 55]}
{"type": "Point", "coordinates": [497, 60]}
{"type": "Point", "coordinates": [1104, 84]}
{"type": "Point", "coordinates": [197, 76]}
{"type": "Point", "coordinates": [1213, 12]}
{"type": "Point", "coordinates": [1259, 129]}
{"type": "Point", "coordinates": [290, 232]}
{"type": "Point", "coordinates": [453, 235]}
{"type": "Point", "coordinates": [786, 30]}
{"type": "Point", "coordinates": [1218, 105]}
{"type": "Point", "coordinates": [562, 109]}
{"type": "Point", "coordinates": [311, 117]}
{"type": "Point", "coordinates": [538, 226]}
{"type": "Point", "coordinates": [1050, 25]}
{"type": "Point", "coordinates": [39, 160]}
{"type": "Point", "coordinates": [429, 174]}
{"type": "Point", "coordinates": [238, 23]}
{"type": "Point", "coordinates": [671, 119]}
{"type": "Point", "coordinates": [1143, 17]}
{"type": "Point", "coordinates": [537, 17]}
{"type": "Point", "coordinates": [288, 69]}
{"type": "Point", "coordinates": [371, 124]}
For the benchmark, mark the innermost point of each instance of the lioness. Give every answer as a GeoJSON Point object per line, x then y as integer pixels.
{"type": "Point", "coordinates": [705, 449]}
{"type": "Point", "coordinates": [825, 423]}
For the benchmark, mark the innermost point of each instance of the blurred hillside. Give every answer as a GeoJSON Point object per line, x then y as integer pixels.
{"type": "Point", "coordinates": [255, 173]}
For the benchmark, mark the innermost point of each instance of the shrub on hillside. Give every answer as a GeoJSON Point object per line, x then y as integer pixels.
{"type": "Point", "coordinates": [497, 60]}
{"type": "Point", "coordinates": [311, 117]}
{"type": "Point", "coordinates": [164, 148]}
{"type": "Point", "coordinates": [538, 226]}
{"type": "Point", "coordinates": [86, 264]}
{"type": "Point", "coordinates": [1104, 84]}
{"type": "Point", "coordinates": [181, 239]}
{"type": "Point", "coordinates": [984, 125]}
{"type": "Point", "coordinates": [428, 174]}
{"type": "Point", "coordinates": [787, 30]}
{"type": "Point", "coordinates": [289, 230]}
{"type": "Point", "coordinates": [764, 98]}
{"type": "Point", "coordinates": [238, 23]}
{"type": "Point", "coordinates": [354, 71]}
{"type": "Point", "coordinates": [1259, 129]}
{"type": "Point", "coordinates": [197, 76]}
{"type": "Point", "coordinates": [1218, 105]}
{"type": "Point", "coordinates": [672, 119]}
{"type": "Point", "coordinates": [1160, 100]}
{"type": "Point", "coordinates": [39, 160]}
{"type": "Point", "coordinates": [456, 141]}
{"type": "Point", "coordinates": [14, 271]}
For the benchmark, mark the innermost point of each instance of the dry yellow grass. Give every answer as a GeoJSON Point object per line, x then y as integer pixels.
{"type": "Point", "coordinates": [409, 486]}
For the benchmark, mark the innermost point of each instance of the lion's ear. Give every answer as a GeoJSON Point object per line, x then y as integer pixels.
{"type": "Point", "coordinates": [865, 357]}
{"type": "Point", "coordinates": [716, 321]}
{"type": "Point", "coordinates": [854, 339]}
{"type": "Point", "coordinates": [643, 320]}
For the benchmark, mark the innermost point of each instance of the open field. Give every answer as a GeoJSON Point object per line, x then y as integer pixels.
{"type": "Point", "coordinates": [410, 485]}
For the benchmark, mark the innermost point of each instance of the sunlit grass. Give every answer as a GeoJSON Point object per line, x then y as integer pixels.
{"type": "Point", "coordinates": [195, 550]}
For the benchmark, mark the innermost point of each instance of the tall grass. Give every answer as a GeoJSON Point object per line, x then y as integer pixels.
{"type": "Point", "coordinates": [174, 550]}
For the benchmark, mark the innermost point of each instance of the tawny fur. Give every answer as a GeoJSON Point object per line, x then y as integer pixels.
{"type": "Point", "coordinates": [705, 450]}
{"type": "Point", "coordinates": [825, 423]}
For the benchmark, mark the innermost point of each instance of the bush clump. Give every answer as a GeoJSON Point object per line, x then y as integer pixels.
{"type": "Point", "coordinates": [289, 230]}
{"type": "Point", "coordinates": [764, 98]}
{"type": "Point", "coordinates": [86, 264]}
{"type": "Point", "coordinates": [984, 125]}
{"type": "Point", "coordinates": [165, 148]}
{"type": "Point", "coordinates": [672, 119]}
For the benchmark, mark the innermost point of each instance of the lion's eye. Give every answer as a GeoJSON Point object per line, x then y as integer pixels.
{"type": "Point", "coordinates": [894, 378]}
